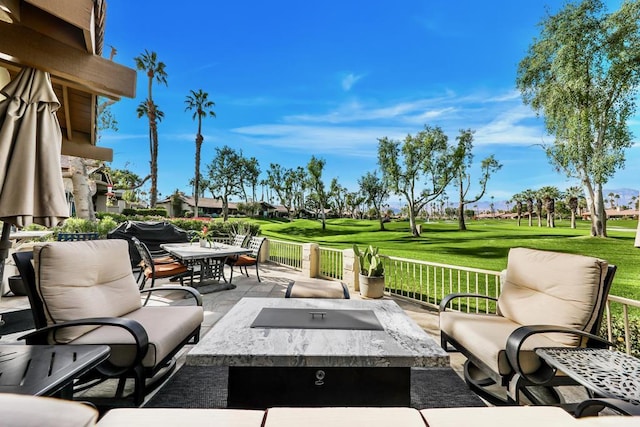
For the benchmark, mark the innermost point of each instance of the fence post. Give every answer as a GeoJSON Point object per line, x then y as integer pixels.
{"type": "Point", "coordinates": [263, 256]}
{"type": "Point", "coordinates": [350, 269]}
{"type": "Point", "coordinates": [310, 260]}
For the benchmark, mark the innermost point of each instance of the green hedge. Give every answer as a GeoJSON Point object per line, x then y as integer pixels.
{"type": "Point", "coordinates": [145, 212]}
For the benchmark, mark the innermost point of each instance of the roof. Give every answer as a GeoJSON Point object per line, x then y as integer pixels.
{"type": "Point", "coordinates": [65, 39]}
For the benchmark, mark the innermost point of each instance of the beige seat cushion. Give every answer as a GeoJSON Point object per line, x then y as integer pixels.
{"type": "Point", "coordinates": [551, 288]}
{"type": "Point", "coordinates": [609, 421]}
{"type": "Point", "coordinates": [485, 336]}
{"type": "Point", "coordinates": [504, 416]}
{"type": "Point", "coordinates": [325, 289]}
{"type": "Point", "coordinates": [157, 417]}
{"type": "Point", "coordinates": [166, 326]}
{"type": "Point", "coordinates": [31, 411]}
{"type": "Point", "coordinates": [78, 280]}
{"type": "Point", "coordinates": [339, 417]}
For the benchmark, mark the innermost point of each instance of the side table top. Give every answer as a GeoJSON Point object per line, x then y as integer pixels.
{"type": "Point", "coordinates": [43, 370]}
{"type": "Point", "coordinates": [608, 373]}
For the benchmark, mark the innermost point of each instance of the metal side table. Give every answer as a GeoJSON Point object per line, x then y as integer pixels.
{"type": "Point", "coordinates": [607, 373]}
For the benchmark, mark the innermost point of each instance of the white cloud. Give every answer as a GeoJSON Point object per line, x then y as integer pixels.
{"type": "Point", "coordinates": [349, 80]}
{"type": "Point", "coordinates": [335, 140]}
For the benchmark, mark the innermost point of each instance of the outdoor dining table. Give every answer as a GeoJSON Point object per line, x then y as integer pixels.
{"type": "Point", "coordinates": [210, 259]}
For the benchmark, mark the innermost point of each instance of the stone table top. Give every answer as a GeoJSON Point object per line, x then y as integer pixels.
{"type": "Point", "coordinates": [232, 341]}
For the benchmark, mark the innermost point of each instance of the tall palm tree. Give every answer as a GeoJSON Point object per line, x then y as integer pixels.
{"type": "Point", "coordinates": [148, 61]}
{"type": "Point", "coordinates": [199, 103]}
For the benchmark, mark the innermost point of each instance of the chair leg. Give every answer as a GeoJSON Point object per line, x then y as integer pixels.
{"type": "Point", "coordinates": [139, 385]}
{"type": "Point", "coordinates": [257, 273]}
{"type": "Point", "coordinates": [231, 274]}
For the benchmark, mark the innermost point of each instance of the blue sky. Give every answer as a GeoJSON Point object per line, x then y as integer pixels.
{"type": "Point", "coordinates": [292, 79]}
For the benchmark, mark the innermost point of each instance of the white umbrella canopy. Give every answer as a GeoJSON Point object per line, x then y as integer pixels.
{"type": "Point", "coordinates": [31, 187]}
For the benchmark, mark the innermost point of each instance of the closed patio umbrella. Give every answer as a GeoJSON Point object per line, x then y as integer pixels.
{"type": "Point", "coordinates": [31, 186]}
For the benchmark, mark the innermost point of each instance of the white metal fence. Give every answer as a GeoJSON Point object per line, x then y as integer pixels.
{"type": "Point", "coordinates": [285, 253]}
{"type": "Point", "coordinates": [331, 263]}
{"type": "Point", "coordinates": [428, 283]}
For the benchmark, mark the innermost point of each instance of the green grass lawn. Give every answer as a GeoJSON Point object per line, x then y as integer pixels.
{"type": "Point", "coordinates": [485, 244]}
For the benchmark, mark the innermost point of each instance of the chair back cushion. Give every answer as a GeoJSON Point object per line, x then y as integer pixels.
{"type": "Point", "coordinates": [78, 280]}
{"type": "Point", "coordinates": [551, 288]}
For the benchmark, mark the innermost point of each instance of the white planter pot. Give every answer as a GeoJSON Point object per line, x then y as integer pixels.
{"type": "Point", "coordinates": [371, 287]}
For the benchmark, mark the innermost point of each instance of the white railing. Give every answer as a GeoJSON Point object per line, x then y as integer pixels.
{"type": "Point", "coordinates": [331, 263]}
{"type": "Point", "coordinates": [285, 253]}
{"type": "Point", "coordinates": [626, 304]}
{"type": "Point", "coordinates": [430, 282]}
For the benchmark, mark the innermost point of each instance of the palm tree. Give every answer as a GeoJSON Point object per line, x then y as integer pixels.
{"type": "Point", "coordinates": [549, 194]}
{"type": "Point", "coordinates": [518, 199]}
{"type": "Point", "coordinates": [148, 61]}
{"type": "Point", "coordinates": [573, 195]}
{"type": "Point", "coordinates": [199, 103]}
{"type": "Point", "coordinates": [529, 196]}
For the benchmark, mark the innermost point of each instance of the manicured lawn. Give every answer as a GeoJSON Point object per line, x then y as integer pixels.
{"type": "Point", "coordinates": [484, 245]}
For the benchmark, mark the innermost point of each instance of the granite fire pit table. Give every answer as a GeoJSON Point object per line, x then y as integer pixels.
{"type": "Point", "coordinates": [317, 352]}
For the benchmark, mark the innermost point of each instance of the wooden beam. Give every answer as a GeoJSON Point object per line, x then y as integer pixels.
{"type": "Point", "coordinates": [21, 45]}
{"type": "Point", "coordinates": [10, 9]}
{"type": "Point", "coordinates": [78, 13]}
{"type": "Point", "coordinates": [67, 112]}
{"type": "Point", "coordinates": [81, 147]}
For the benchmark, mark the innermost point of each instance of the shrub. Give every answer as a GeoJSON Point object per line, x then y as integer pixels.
{"type": "Point", "coordinates": [617, 334]}
{"type": "Point", "coordinates": [145, 212]}
{"type": "Point", "coordinates": [117, 217]}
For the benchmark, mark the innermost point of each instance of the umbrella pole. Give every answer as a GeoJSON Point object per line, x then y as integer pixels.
{"type": "Point", "coordinates": [5, 245]}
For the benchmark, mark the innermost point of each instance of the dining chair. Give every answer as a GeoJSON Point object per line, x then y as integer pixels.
{"type": "Point", "coordinates": [164, 268]}
{"type": "Point", "coordinates": [252, 258]}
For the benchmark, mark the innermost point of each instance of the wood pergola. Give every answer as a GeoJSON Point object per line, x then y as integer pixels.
{"type": "Point", "coordinates": [65, 38]}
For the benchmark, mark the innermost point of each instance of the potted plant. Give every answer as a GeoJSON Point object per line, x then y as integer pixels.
{"type": "Point", "coordinates": [205, 237]}
{"type": "Point", "coordinates": [371, 275]}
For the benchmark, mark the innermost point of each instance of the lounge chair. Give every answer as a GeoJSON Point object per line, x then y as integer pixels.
{"type": "Point", "coordinates": [85, 293]}
{"type": "Point", "coordinates": [561, 296]}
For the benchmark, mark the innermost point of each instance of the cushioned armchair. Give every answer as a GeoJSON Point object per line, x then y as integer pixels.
{"type": "Point", "coordinates": [558, 297]}
{"type": "Point", "coordinates": [85, 293]}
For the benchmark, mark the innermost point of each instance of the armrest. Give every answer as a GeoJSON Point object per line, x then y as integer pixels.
{"type": "Point", "coordinates": [133, 327]}
{"type": "Point", "coordinates": [447, 299]}
{"type": "Point", "coordinates": [591, 407]}
{"type": "Point", "coordinates": [520, 335]}
{"type": "Point", "coordinates": [188, 289]}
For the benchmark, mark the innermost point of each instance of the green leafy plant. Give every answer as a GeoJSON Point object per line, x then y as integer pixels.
{"type": "Point", "coordinates": [370, 262]}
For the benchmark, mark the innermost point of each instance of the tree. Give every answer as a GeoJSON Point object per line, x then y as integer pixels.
{"type": "Point", "coordinates": [281, 180]}
{"type": "Point", "coordinates": [539, 203]}
{"type": "Point", "coordinates": [462, 177]}
{"type": "Point", "coordinates": [573, 195]}
{"type": "Point", "coordinates": [405, 164]}
{"type": "Point", "coordinates": [249, 176]}
{"type": "Point", "coordinates": [224, 176]}
{"type": "Point", "coordinates": [375, 191]}
{"type": "Point", "coordinates": [148, 62]}
{"type": "Point", "coordinates": [353, 201]}
{"type": "Point", "coordinates": [337, 194]}
{"type": "Point", "coordinates": [582, 73]}
{"type": "Point", "coordinates": [518, 199]}
{"type": "Point", "coordinates": [529, 196]}
{"type": "Point", "coordinates": [199, 103]}
{"type": "Point", "coordinates": [549, 194]}
{"type": "Point", "coordinates": [314, 171]}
